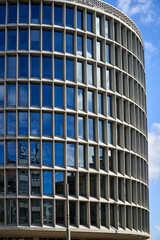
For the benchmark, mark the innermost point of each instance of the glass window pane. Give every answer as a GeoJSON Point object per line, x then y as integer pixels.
{"type": "Point", "coordinates": [47, 212]}
{"type": "Point", "coordinates": [79, 45]}
{"type": "Point", "coordinates": [1, 67]}
{"type": "Point", "coordinates": [81, 155]}
{"type": "Point", "coordinates": [108, 80]}
{"type": "Point", "coordinates": [12, 39]}
{"type": "Point", "coordinates": [107, 28]}
{"type": "Point", "coordinates": [35, 182]}
{"type": "Point", "coordinates": [70, 97]}
{"type": "Point", "coordinates": [60, 208]}
{"type": "Point", "coordinates": [90, 73]}
{"type": "Point", "coordinates": [83, 213]}
{"type": "Point", "coordinates": [11, 152]}
{"type": "Point", "coordinates": [11, 94]}
{"type": "Point", "coordinates": [58, 131]}
{"type": "Point", "coordinates": [71, 155]}
{"type": "Point", "coordinates": [81, 127]}
{"type": "Point", "coordinates": [90, 101]}
{"type": "Point", "coordinates": [70, 126]}
{"type": "Point", "coordinates": [93, 190]}
{"type": "Point", "coordinates": [11, 123]}
{"type": "Point", "coordinates": [82, 184]}
{"type": "Point", "coordinates": [47, 40]}
{"type": "Point", "coordinates": [58, 68]}
{"type": "Point", "coordinates": [100, 124]}
{"type": "Point", "coordinates": [1, 152]}
{"type": "Point", "coordinates": [80, 99]}
{"type": "Point", "coordinates": [58, 41]}
{"type": "Point", "coordinates": [23, 181]}
{"type": "Point", "coordinates": [72, 212]}
{"type": "Point", "coordinates": [100, 103]}
{"type": "Point", "coordinates": [80, 72]}
{"type": "Point", "coordinates": [58, 16]}
{"type": "Point", "coordinates": [71, 180]}
{"type": "Point", "coordinates": [69, 17]}
{"type": "Point", "coordinates": [91, 129]}
{"type": "Point", "coordinates": [89, 48]}
{"type": "Point", "coordinates": [59, 182]}
{"type": "Point", "coordinates": [12, 13]}
{"type": "Point", "coordinates": [69, 43]}
{"type": "Point", "coordinates": [110, 133]}
{"type": "Point", "coordinates": [99, 77]}
{"type": "Point", "coordinates": [35, 39]}
{"type": "Point", "coordinates": [35, 123]}
{"type": "Point", "coordinates": [2, 14]}
{"type": "Point", "coordinates": [2, 95]}
{"type": "Point", "coordinates": [93, 213]}
{"type": "Point", "coordinates": [58, 96]}
{"type": "Point", "coordinates": [92, 157]}
{"type": "Point", "coordinates": [23, 39]}
{"type": "Point", "coordinates": [1, 123]}
{"type": "Point", "coordinates": [23, 153]}
{"type": "Point", "coordinates": [59, 154]}
{"type": "Point", "coordinates": [98, 25]}
{"type": "Point", "coordinates": [23, 123]}
{"type": "Point", "coordinates": [35, 212]}
{"type": "Point", "coordinates": [11, 182]}
{"type": "Point", "coordinates": [80, 19]}
{"type": "Point", "coordinates": [103, 214]}
{"type": "Point", "coordinates": [23, 13]}
{"type": "Point", "coordinates": [99, 51]}
{"type": "Point", "coordinates": [35, 67]}
{"type": "Point", "coordinates": [2, 40]}
{"type": "Point", "coordinates": [35, 13]}
{"type": "Point", "coordinates": [11, 212]}
{"type": "Point", "coordinates": [109, 106]}
{"type": "Point", "coordinates": [47, 95]}
{"type": "Point", "coordinates": [47, 124]}
{"type": "Point", "coordinates": [23, 66]}
{"type": "Point", "coordinates": [47, 153]}
{"type": "Point", "coordinates": [2, 211]}
{"type": "Point", "coordinates": [102, 158]}
{"type": "Point", "coordinates": [23, 95]}
{"type": "Point", "coordinates": [69, 70]}
{"type": "Point", "coordinates": [11, 68]}
{"type": "Point", "coordinates": [89, 22]}
{"type": "Point", "coordinates": [35, 95]}
{"type": "Point", "coordinates": [47, 14]}
{"type": "Point", "coordinates": [47, 183]}
{"type": "Point", "coordinates": [47, 67]}
{"type": "Point", "coordinates": [107, 53]}
{"type": "Point", "coordinates": [35, 152]}
{"type": "Point", "coordinates": [23, 212]}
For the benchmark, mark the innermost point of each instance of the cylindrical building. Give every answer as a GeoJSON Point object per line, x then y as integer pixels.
{"type": "Point", "coordinates": [72, 110]}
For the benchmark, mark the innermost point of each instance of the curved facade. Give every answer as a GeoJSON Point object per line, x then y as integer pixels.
{"type": "Point", "coordinates": [72, 110]}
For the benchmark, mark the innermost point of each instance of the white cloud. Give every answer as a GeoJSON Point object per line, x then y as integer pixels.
{"type": "Point", "coordinates": [150, 51]}
{"type": "Point", "coordinates": [154, 152]}
{"type": "Point", "coordinates": [149, 47]}
{"type": "Point", "coordinates": [157, 227]}
{"type": "Point", "coordinates": [142, 7]}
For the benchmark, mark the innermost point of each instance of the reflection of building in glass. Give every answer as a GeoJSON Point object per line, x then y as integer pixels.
{"type": "Point", "coordinates": [72, 110]}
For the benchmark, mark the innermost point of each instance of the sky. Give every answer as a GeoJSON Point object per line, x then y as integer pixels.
{"type": "Point", "coordinates": [145, 13]}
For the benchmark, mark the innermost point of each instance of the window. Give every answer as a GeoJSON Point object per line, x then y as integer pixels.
{"type": "Point", "coordinates": [23, 67]}
{"type": "Point", "coordinates": [109, 105]}
{"type": "Point", "coordinates": [22, 153]}
{"type": "Point", "coordinates": [89, 48]}
{"type": "Point", "coordinates": [1, 152]}
{"type": "Point", "coordinates": [35, 123]}
{"type": "Point", "coordinates": [35, 13]}
{"type": "Point", "coordinates": [58, 131]}
{"type": "Point", "coordinates": [1, 123]}
{"type": "Point", "coordinates": [23, 212]}
{"type": "Point", "coordinates": [47, 153]}
{"type": "Point", "coordinates": [47, 67]}
{"type": "Point", "coordinates": [47, 124]}
{"type": "Point", "coordinates": [58, 15]}
{"type": "Point", "coordinates": [108, 79]}
{"type": "Point", "coordinates": [93, 213]}
{"type": "Point", "coordinates": [59, 182]}
{"type": "Point", "coordinates": [80, 72]}
{"type": "Point", "coordinates": [35, 212]}
{"type": "Point", "coordinates": [47, 95]}
{"type": "Point", "coordinates": [99, 52]}
{"type": "Point", "coordinates": [47, 14]}
{"type": "Point", "coordinates": [107, 53]}
{"type": "Point", "coordinates": [69, 43]}
{"type": "Point", "coordinates": [11, 67]}
{"type": "Point", "coordinates": [12, 39]}
{"type": "Point", "coordinates": [2, 14]}
{"type": "Point", "coordinates": [1, 67]}
{"type": "Point", "coordinates": [93, 188]}
{"type": "Point", "coordinates": [2, 95]}
{"type": "Point", "coordinates": [35, 182]}
{"type": "Point", "coordinates": [35, 67]}
{"type": "Point", "coordinates": [107, 28]}
{"type": "Point", "coordinates": [60, 208]}
{"type": "Point", "coordinates": [69, 70]}
{"type": "Point", "coordinates": [47, 40]}
{"type": "Point", "coordinates": [35, 152]}
{"type": "Point", "coordinates": [23, 39]}
{"type": "Point", "coordinates": [98, 25]}
{"type": "Point", "coordinates": [70, 126]}
{"type": "Point", "coordinates": [12, 13]}
{"type": "Point", "coordinates": [58, 96]}
{"type": "Point", "coordinates": [47, 212]}
{"type": "Point", "coordinates": [58, 41]}
{"type": "Point", "coordinates": [11, 95]}
{"type": "Point", "coordinates": [80, 45]}
{"type": "Point", "coordinates": [103, 214]}
{"type": "Point", "coordinates": [90, 73]}
{"type": "Point", "coordinates": [23, 182]}
{"type": "Point", "coordinates": [11, 123]}
{"type": "Point", "coordinates": [112, 215]}
{"type": "Point", "coordinates": [70, 97]}
{"type": "Point", "coordinates": [58, 68]}
{"type": "Point", "coordinates": [90, 101]}
{"type": "Point", "coordinates": [23, 13]}
{"type": "Point", "coordinates": [109, 133]}
{"type": "Point", "coordinates": [35, 95]}
{"type": "Point", "coordinates": [101, 130]}
{"type": "Point", "coordinates": [91, 129]}
{"type": "Point", "coordinates": [103, 186]}
{"type": "Point", "coordinates": [72, 210]}
{"type": "Point", "coordinates": [11, 181]}
{"type": "Point", "coordinates": [99, 77]}
{"type": "Point", "coordinates": [79, 19]}
{"type": "Point", "coordinates": [35, 39]}
{"type": "Point", "coordinates": [100, 103]}
{"type": "Point", "coordinates": [59, 154]}
{"type": "Point", "coordinates": [89, 22]}
{"type": "Point", "coordinates": [92, 157]}
{"type": "Point", "coordinates": [23, 123]}
{"type": "Point", "coordinates": [80, 99]}
{"type": "Point", "coordinates": [81, 155]}
{"type": "Point", "coordinates": [69, 17]}
{"type": "Point", "coordinates": [70, 154]}
{"type": "Point", "coordinates": [2, 40]}
{"type": "Point", "coordinates": [47, 183]}
{"type": "Point", "coordinates": [83, 213]}
{"type": "Point", "coordinates": [11, 152]}
{"type": "Point", "coordinates": [82, 184]}
{"type": "Point", "coordinates": [71, 180]}
{"type": "Point", "coordinates": [11, 215]}
{"type": "Point", "coordinates": [102, 158]}
{"type": "Point", "coordinates": [81, 129]}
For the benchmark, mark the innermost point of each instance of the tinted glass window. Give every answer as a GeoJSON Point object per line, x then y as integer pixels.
{"type": "Point", "coordinates": [80, 127]}
{"type": "Point", "coordinates": [69, 70]}
{"type": "Point", "coordinates": [100, 104]}
{"type": "Point", "coordinates": [12, 13]}
{"type": "Point", "coordinates": [23, 67]}
{"type": "Point", "coordinates": [23, 182]}
{"type": "Point", "coordinates": [2, 14]}
{"type": "Point", "coordinates": [98, 25]}
{"type": "Point", "coordinates": [59, 154]}
{"type": "Point", "coordinates": [11, 94]}
{"type": "Point", "coordinates": [70, 97]}
{"type": "Point", "coordinates": [82, 184]}
{"type": "Point", "coordinates": [91, 128]}
{"type": "Point", "coordinates": [58, 16]}
{"type": "Point", "coordinates": [11, 215]}
{"type": "Point", "coordinates": [23, 153]}
{"type": "Point", "coordinates": [35, 39]}
{"type": "Point", "coordinates": [47, 182]}
{"type": "Point", "coordinates": [59, 182]}
{"type": "Point", "coordinates": [58, 41]}
{"type": "Point", "coordinates": [35, 182]}
{"type": "Point", "coordinates": [36, 212]}
{"type": "Point", "coordinates": [79, 20]}
{"type": "Point", "coordinates": [11, 68]}
{"type": "Point", "coordinates": [89, 22]}
{"type": "Point", "coordinates": [47, 67]}
{"type": "Point", "coordinates": [70, 126]}
{"type": "Point", "coordinates": [23, 212]}
{"type": "Point", "coordinates": [91, 157]}
{"type": "Point", "coordinates": [35, 152]}
{"type": "Point", "coordinates": [47, 95]}
{"type": "Point", "coordinates": [12, 39]}
{"type": "Point", "coordinates": [90, 101]}
{"type": "Point", "coordinates": [35, 95]}
{"type": "Point", "coordinates": [58, 131]}
{"type": "Point", "coordinates": [47, 14]}
{"type": "Point", "coordinates": [89, 48]}
{"type": "Point", "coordinates": [47, 40]}
{"type": "Point", "coordinates": [81, 156]}
{"type": "Point", "coordinates": [23, 13]}
{"type": "Point", "coordinates": [107, 53]}
{"type": "Point", "coordinates": [1, 123]}
{"type": "Point", "coordinates": [47, 212]}
{"type": "Point", "coordinates": [58, 96]}
{"type": "Point", "coordinates": [11, 123]}
{"type": "Point", "coordinates": [23, 95]}
{"type": "Point", "coordinates": [47, 124]}
{"type": "Point", "coordinates": [47, 153]}
{"type": "Point", "coordinates": [35, 123]}
{"type": "Point", "coordinates": [79, 71]}
{"type": "Point", "coordinates": [100, 123]}
{"type": "Point", "coordinates": [35, 67]}
{"type": "Point", "coordinates": [71, 155]}
{"type": "Point", "coordinates": [80, 99]}
{"type": "Point", "coordinates": [1, 67]}
{"type": "Point", "coordinates": [1, 152]}
{"type": "Point", "coordinates": [83, 215]}
{"type": "Point", "coordinates": [69, 17]}
{"type": "Point", "coordinates": [11, 152]}
{"type": "Point", "coordinates": [23, 39]}
{"type": "Point", "coordinates": [90, 73]}
{"type": "Point", "coordinates": [69, 43]}
{"type": "Point", "coordinates": [79, 45]}
{"type": "Point", "coordinates": [71, 180]}
{"type": "Point", "coordinates": [35, 13]}
{"type": "Point", "coordinates": [58, 68]}
{"type": "Point", "coordinates": [1, 95]}
{"type": "Point", "coordinates": [23, 123]}
{"type": "Point", "coordinates": [2, 40]}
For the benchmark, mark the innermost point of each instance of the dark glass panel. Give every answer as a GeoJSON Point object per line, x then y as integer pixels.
{"type": "Point", "coordinates": [80, 19]}
{"type": "Point", "coordinates": [23, 182]}
{"type": "Point", "coordinates": [58, 96]}
{"type": "Point", "coordinates": [35, 152]}
{"type": "Point", "coordinates": [58, 68]}
{"type": "Point", "coordinates": [70, 97]}
{"type": "Point", "coordinates": [2, 14]}
{"type": "Point", "coordinates": [12, 39]}
{"type": "Point", "coordinates": [69, 17]}
{"type": "Point", "coordinates": [23, 212]}
{"type": "Point", "coordinates": [59, 182]}
{"type": "Point", "coordinates": [35, 123]}
{"type": "Point", "coordinates": [93, 213]}
{"type": "Point", "coordinates": [58, 41]}
{"type": "Point", "coordinates": [47, 67]}
{"type": "Point", "coordinates": [103, 214]}
{"type": "Point", "coordinates": [47, 14]}
{"type": "Point", "coordinates": [60, 207]}
{"type": "Point", "coordinates": [69, 70]}
{"type": "Point", "coordinates": [47, 40]}
{"type": "Point", "coordinates": [1, 67]}
{"type": "Point", "coordinates": [71, 180]}
{"type": "Point", "coordinates": [35, 182]}
{"type": "Point", "coordinates": [47, 153]}
{"type": "Point", "coordinates": [91, 129]}
{"type": "Point", "coordinates": [58, 15]}
{"type": "Point", "coordinates": [92, 157]}
{"type": "Point", "coordinates": [11, 182]}
{"type": "Point", "coordinates": [59, 154]}
{"type": "Point", "coordinates": [82, 184]}
{"type": "Point", "coordinates": [23, 66]}
{"type": "Point", "coordinates": [93, 189]}
{"type": "Point", "coordinates": [47, 124]}
{"type": "Point", "coordinates": [35, 95]}
{"type": "Point", "coordinates": [35, 39]}
{"type": "Point", "coordinates": [11, 212]}
{"type": "Point", "coordinates": [47, 95]}
{"type": "Point", "coordinates": [1, 186]}
{"type": "Point", "coordinates": [35, 67]}
{"type": "Point", "coordinates": [71, 155]}
{"type": "Point", "coordinates": [83, 213]}
{"type": "Point", "coordinates": [58, 131]}
{"type": "Point", "coordinates": [23, 153]}
{"type": "Point", "coordinates": [69, 43]}
{"type": "Point", "coordinates": [70, 126]}
{"type": "Point", "coordinates": [11, 67]}
{"type": "Point", "coordinates": [89, 22]}
{"type": "Point", "coordinates": [35, 13]}
{"type": "Point", "coordinates": [1, 123]}
{"type": "Point", "coordinates": [11, 123]}
{"type": "Point", "coordinates": [23, 39]}
{"type": "Point", "coordinates": [11, 94]}
{"type": "Point", "coordinates": [23, 13]}
{"type": "Point", "coordinates": [1, 211]}
{"type": "Point", "coordinates": [23, 123]}
{"type": "Point", "coordinates": [2, 40]}
{"type": "Point", "coordinates": [72, 212]}
{"type": "Point", "coordinates": [23, 95]}
{"type": "Point", "coordinates": [47, 212]}
{"type": "Point", "coordinates": [35, 212]}
{"type": "Point", "coordinates": [1, 152]}
{"type": "Point", "coordinates": [12, 13]}
{"type": "Point", "coordinates": [47, 183]}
